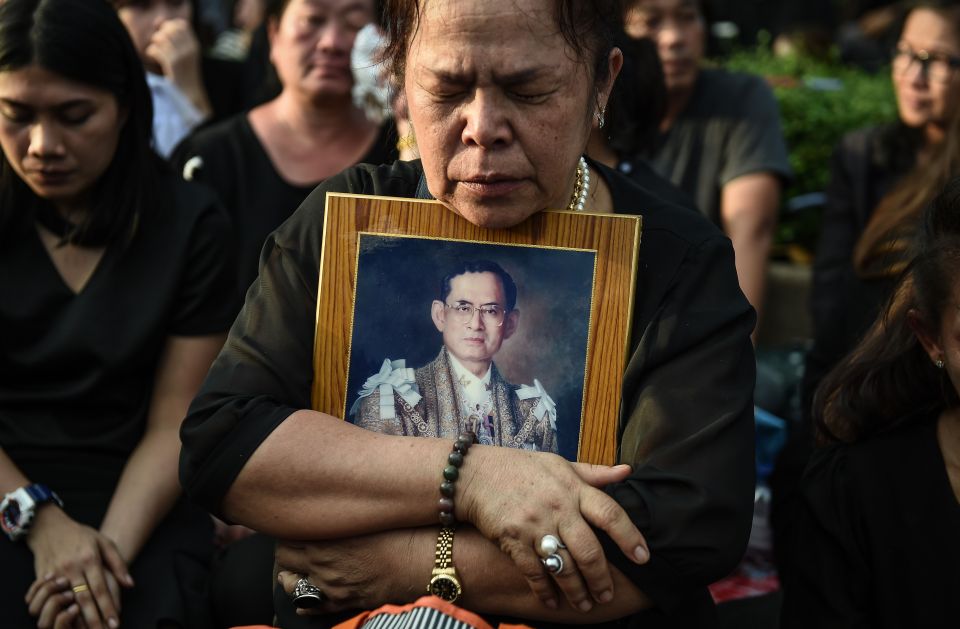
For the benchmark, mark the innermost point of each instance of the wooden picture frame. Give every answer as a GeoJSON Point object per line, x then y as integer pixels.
{"type": "Point", "coordinates": [380, 262]}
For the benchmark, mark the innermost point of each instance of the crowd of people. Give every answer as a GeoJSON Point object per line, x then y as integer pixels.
{"type": "Point", "coordinates": [163, 182]}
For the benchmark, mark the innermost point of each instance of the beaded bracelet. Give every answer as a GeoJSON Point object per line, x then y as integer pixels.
{"type": "Point", "coordinates": [450, 475]}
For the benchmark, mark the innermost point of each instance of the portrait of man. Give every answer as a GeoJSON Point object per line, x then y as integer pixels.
{"type": "Point", "coordinates": [475, 311]}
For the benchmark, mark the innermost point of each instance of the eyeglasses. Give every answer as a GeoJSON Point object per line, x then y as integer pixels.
{"type": "Point", "coordinates": [935, 66]}
{"type": "Point", "coordinates": [490, 314]}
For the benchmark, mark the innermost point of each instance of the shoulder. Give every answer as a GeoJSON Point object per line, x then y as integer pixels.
{"type": "Point", "coordinates": [186, 205]}
{"type": "Point", "coordinates": [662, 217]}
{"type": "Point", "coordinates": [216, 135]}
{"type": "Point", "coordinates": [398, 179]}
{"type": "Point", "coordinates": [863, 472]}
{"type": "Point", "coordinates": [726, 89]}
{"type": "Point", "coordinates": [863, 138]}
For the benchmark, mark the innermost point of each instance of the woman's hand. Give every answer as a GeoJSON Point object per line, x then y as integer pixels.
{"type": "Point", "coordinates": [176, 50]}
{"type": "Point", "coordinates": [77, 559]}
{"type": "Point", "coordinates": [515, 498]}
{"type": "Point", "coordinates": [355, 573]}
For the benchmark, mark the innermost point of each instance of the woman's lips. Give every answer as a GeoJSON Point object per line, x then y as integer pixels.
{"type": "Point", "coordinates": [491, 187]}
{"type": "Point", "coordinates": [51, 177]}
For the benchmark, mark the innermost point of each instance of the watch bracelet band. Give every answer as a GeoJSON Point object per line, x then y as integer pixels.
{"type": "Point", "coordinates": [42, 494]}
{"type": "Point", "coordinates": [444, 552]}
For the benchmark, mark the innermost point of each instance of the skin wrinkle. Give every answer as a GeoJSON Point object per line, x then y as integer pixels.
{"type": "Point", "coordinates": [487, 129]}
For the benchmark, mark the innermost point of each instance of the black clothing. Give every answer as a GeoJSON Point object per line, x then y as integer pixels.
{"type": "Point", "coordinates": [687, 424]}
{"type": "Point", "coordinates": [77, 373]}
{"type": "Point", "coordinates": [236, 165]}
{"type": "Point", "coordinates": [843, 305]}
{"type": "Point", "coordinates": [875, 542]}
{"type": "Point", "coordinates": [642, 173]}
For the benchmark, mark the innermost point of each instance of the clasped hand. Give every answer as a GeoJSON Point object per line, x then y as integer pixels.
{"type": "Point", "coordinates": [79, 574]}
{"type": "Point", "coordinates": [513, 498]}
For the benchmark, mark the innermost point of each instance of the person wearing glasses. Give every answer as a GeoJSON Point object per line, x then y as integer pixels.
{"type": "Point", "coordinates": [462, 389]}
{"type": "Point", "coordinates": [881, 179]}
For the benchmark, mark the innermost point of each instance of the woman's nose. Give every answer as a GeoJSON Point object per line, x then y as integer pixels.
{"type": "Point", "coordinates": [486, 123]}
{"type": "Point", "coordinates": [45, 140]}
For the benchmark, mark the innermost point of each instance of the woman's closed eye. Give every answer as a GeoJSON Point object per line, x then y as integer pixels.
{"type": "Point", "coordinates": [75, 117]}
{"type": "Point", "coordinates": [15, 114]}
{"type": "Point", "coordinates": [529, 97]}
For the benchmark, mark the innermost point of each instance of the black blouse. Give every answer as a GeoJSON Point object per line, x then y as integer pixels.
{"type": "Point", "coordinates": [236, 165]}
{"type": "Point", "coordinates": [687, 420]}
{"type": "Point", "coordinates": [876, 540]}
{"type": "Point", "coordinates": [77, 370]}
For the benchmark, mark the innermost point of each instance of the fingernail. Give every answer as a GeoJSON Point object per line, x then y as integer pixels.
{"type": "Point", "coordinates": [606, 596]}
{"type": "Point", "coordinates": [129, 580]}
{"type": "Point", "coordinates": [552, 604]}
{"type": "Point", "coordinates": [114, 623]}
{"type": "Point", "coordinates": [585, 606]}
{"type": "Point", "coordinates": [48, 576]}
{"type": "Point", "coordinates": [641, 554]}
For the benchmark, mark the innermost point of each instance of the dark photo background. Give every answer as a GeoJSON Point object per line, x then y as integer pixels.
{"type": "Point", "coordinates": [399, 277]}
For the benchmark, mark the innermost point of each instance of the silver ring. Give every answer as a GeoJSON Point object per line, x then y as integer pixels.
{"type": "Point", "coordinates": [549, 545]}
{"type": "Point", "coordinates": [306, 595]}
{"type": "Point", "coordinates": [553, 563]}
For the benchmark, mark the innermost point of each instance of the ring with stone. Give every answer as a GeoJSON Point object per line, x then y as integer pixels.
{"type": "Point", "coordinates": [549, 545]}
{"type": "Point", "coordinates": [553, 563]}
{"type": "Point", "coordinates": [306, 595]}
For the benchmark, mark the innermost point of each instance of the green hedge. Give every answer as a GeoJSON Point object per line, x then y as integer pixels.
{"type": "Point", "coordinates": [819, 102]}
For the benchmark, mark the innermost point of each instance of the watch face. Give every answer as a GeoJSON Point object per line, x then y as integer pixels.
{"type": "Point", "coordinates": [445, 587]}
{"type": "Point", "coordinates": [11, 515]}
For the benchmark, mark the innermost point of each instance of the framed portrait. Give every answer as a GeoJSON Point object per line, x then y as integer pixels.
{"type": "Point", "coordinates": [428, 325]}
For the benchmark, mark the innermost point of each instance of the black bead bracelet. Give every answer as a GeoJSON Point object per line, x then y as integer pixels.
{"type": "Point", "coordinates": [450, 475]}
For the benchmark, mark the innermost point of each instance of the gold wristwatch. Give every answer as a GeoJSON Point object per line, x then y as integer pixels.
{"type": "Point", "coordinates": [443, 581]}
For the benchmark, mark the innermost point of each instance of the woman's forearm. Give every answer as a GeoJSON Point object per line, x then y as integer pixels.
{"type": "Point", "coordinates": [10, 475]}
{"type": "Point", "coordinates": [314, 466]}
{"type": "Point", "coordinates": [149, 486]}
{"type": "Point", "coordinates": [147, 490]}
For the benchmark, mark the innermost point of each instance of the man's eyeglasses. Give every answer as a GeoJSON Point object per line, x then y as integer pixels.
{"type": "Point", "coordinates": [490, 314]}
{"type": "Point", "coordinates": [935, 66]}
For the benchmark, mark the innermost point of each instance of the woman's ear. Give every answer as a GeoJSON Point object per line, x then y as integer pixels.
{"type": "Point", "coordinates": [614, 65]}
{"type": "Point", "coordinates": [928, 338]}
{"type": "Point", "coordinates": [273, 25]}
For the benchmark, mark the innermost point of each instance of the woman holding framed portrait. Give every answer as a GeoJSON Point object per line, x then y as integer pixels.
{"type": "Point", "coordinates": [503, 96]}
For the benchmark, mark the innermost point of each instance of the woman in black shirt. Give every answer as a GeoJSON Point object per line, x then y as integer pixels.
{"type": "Point", "coordinates": [114, 299]}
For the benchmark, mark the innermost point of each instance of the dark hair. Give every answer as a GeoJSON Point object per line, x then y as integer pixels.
{"type": "Point", "coordinates": [880, 248]}
{"type": "Point", "coordinates": [638, 100]}
{"type": "Point", "coordinates": [84, 41]}
{"type": "Point", "coordinates": [481, 266]}
{"type": "Point", "coordinates": [587, 26]}
{"type": "Point", "coordinates": [888, 380]}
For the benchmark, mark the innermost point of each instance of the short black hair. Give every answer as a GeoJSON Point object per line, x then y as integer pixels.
{"type": "Point", "coordinates": [481, 266]}
{"type": "Point", "coordinates": [86, 42]}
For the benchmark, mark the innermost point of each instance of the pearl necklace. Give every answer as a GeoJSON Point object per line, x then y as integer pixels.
{"type": "Point", "coordinates": [581, 188]}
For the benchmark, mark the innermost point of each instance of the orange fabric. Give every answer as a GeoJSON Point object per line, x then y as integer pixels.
{"type": "Point", "coordinates": [427, 601]}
